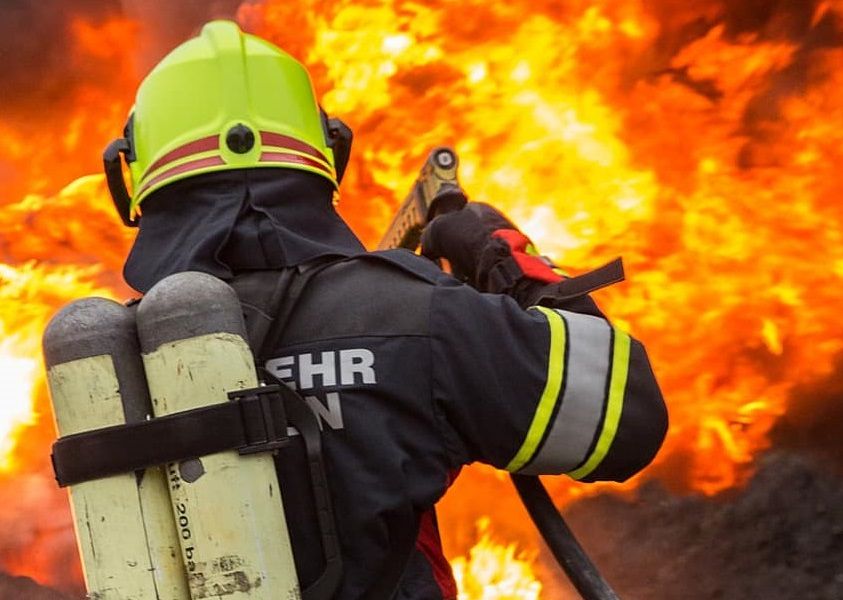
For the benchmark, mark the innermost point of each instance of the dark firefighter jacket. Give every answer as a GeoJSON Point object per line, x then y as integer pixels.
{"type": "Point", "coordinates": [413, 375]}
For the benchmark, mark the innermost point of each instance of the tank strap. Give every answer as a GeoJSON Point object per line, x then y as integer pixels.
{"type": "Point", "coordinates": [254, 421]}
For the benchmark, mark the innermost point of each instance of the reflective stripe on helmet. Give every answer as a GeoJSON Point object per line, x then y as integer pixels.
{"type": "Point", "coordinates": [193, 158]}
{"type": "Point", "coordinates": [573, 431]}
{"type": "Point", "coordinates": [188, 168]}
{"type": "Point", "coordinates": [289, 159]}
{"type": "Point", "coordinates": [284, 141]}
{"type": "Point", "coordinates": [206, 144]}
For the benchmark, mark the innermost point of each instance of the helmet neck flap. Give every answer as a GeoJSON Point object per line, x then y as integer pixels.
{"type": "Point", "coordinates": [240, 220]}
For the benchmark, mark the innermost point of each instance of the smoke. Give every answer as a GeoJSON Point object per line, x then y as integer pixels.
{"type": "Point", "coordinates": [68, 76]}
{"type": "Point", "coordinates": [23, 588]}
{"type": "Point", "coordinates": [165, 24]}
{"type": "Point", "coordinates": [814, 420]}
{"type": "Point", "coordinates": [38, 519]}
{"type": "Point", "coordinates": [39, 44]}
{"type": "Point", "coordinates": [810, 25]}
{"type": "Point", "coordinates": [37, 50]}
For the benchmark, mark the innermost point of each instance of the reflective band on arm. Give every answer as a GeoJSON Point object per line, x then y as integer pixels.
{"type": "Point", "coordinates": [550, 395]}
{"type": "Point", "coordinates": [617, 387]}
{"type": "Point", "coordinates": [580, 415]}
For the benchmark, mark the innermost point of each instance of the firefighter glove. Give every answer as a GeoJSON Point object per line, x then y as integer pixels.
{"type": "Point", "coordinates": [486, 249]}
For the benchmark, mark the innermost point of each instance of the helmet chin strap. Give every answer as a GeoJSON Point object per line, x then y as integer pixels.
{"type": "Point", "coordinates": [113, 167]}
{"type": "Point", "coordinates": [339, 137]}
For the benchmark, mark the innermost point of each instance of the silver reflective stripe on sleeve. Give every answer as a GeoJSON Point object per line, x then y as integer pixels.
{"type": "Point", "coordinates": [579, 417]}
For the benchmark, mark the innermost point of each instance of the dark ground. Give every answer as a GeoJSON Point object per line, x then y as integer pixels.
{"type": "Point", "coordinates": [23, 588]}
{"type": "Point", "coordinates": [780, 538]}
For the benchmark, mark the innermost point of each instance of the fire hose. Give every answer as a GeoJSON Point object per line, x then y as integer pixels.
{"type": "Point", "coordinates": [436, 191]}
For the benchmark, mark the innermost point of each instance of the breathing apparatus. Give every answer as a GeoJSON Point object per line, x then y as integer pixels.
{"type": "Point", "coordinates": [223, 100]}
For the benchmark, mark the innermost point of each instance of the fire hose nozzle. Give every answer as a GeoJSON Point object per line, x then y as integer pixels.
{"type": "Point", "coordinates": [435, 191]}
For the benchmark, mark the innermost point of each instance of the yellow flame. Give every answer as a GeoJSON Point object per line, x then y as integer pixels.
{"type": "Point", "coordinates": [495, 572]}
{"type": "Point", "coordinates": [18, 375]}
{"type": "Point", "coordinates": [29, 294]}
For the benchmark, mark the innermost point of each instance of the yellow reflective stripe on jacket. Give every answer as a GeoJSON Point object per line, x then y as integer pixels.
{"type": "Point", "coordinates": [580, 415]}
{"type": "Point", "coordinates": [550, 395]}
{"type": "Point", "coordinates": [617, 387]}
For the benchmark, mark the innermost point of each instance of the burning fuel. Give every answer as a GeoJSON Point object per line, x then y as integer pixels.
{"type": "Point", "coordinates": [698, 140]}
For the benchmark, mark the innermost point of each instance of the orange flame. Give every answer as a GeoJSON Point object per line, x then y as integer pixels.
{"type": "Point", "coordinates": [701, 148]}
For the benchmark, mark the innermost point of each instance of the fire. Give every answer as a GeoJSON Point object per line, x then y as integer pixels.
{"type": "Point", "coordinates": [17, 411]}
{"type": "Point", "coordinates": [700, 141]}
{"type": "Point", "coordinates": [29, 295]}
{"type": "Point", "coordinates": [495, 572]}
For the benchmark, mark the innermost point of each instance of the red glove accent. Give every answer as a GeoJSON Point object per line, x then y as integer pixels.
{"type": "Point", "coordinates": [534, 266]}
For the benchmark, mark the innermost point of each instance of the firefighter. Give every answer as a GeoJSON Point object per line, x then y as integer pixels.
{"type": "Point", "coordinates": [411, 373]}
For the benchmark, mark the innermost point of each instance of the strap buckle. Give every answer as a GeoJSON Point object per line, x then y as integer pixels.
{"type": "Point", "coordinates": [264, 419]}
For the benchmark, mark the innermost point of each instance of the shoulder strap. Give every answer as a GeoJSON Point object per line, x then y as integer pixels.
{"type": "Point", "coordinates": [284, 306]}
{"type": "Point", "coordinates": [260, 293]}
{"type": "Point", "coordinates": [268, 298]}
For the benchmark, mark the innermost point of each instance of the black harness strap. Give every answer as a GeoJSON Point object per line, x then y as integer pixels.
{"type": "Point", "coordinates": [573, 287]}
{"type": "Point", "coordinates": [266, 316]}
{"type": "Point", "coordinates": [253, 421]}
{"type": "Point", "coordinates": [260, 294]}
{"type": "Point", "coordinates": [285, 306]}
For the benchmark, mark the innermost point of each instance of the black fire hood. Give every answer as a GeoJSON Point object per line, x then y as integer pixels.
{"type": "Point", "coordinates": [234, 221]}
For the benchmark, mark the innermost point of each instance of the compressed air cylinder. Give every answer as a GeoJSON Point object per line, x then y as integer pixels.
{"type": "Point", "coordinates": [228, 507]}
{"type": "Point", "coordinates": [127, 537]}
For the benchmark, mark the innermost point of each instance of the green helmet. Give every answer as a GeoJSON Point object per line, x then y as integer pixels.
{"type": "Point", "coordinates": [222, 100]}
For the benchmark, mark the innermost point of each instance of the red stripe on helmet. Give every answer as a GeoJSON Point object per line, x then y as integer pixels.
{"type": "Point", "coordinates": [193, 165]}
{"type": "Point", "coordinates": [276, 139]}
{"type": "Point", "coordinates": [212, 142]}
{"type": "Point", "coordinates": [289, 157]}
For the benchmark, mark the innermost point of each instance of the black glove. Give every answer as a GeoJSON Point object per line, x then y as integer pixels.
{"type": "Point", "coordinates": [488, 252]}
{"type": "Point", "coordinates": [486, 249]}
{"type": "Point", "coordinates": [464, 237]}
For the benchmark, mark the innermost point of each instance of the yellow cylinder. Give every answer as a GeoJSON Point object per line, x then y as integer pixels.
{"type": "Point", "coordinates": [228, 508]}
{"type": "Point", "coordinates": [124, 526]}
